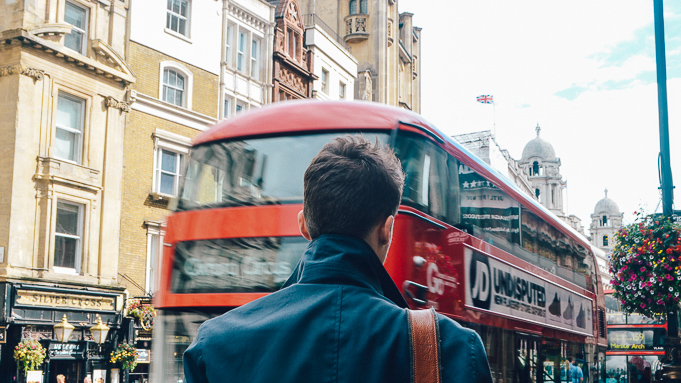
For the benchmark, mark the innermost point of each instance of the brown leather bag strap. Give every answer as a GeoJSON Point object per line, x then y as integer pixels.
{"type": "Point", "coordinates": [425, 346]}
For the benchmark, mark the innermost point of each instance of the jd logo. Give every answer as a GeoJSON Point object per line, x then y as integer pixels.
{"type": "Point", "coordinates": [480, 282]}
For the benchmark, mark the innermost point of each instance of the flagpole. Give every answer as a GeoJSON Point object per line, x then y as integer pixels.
{"type": "Point", "coordinates": [494, 127]}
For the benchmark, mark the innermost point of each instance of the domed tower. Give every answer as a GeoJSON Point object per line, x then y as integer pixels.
{"type": "Point", "coordinates": [540, 163]}
{"type": "Point", "coordinates": [605, 221]}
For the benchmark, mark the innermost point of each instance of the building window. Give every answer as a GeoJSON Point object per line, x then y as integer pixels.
{"type": "Point", "coordinates": [291, 44]}
{"type": "Point", "coordinates": [325, 81]}
{"type": "Point", "coordinates": [240, 107]}
{"type": "Point", "coordinates": [155, 236]}
{"type": "Point", "coordinates": [536, 193]}
{"type": "Point", "coordinates": [177, 16]}
{"type": "Point", "coordinates": [68, 235]}
{"type": "Point", "coordinates": [173, 87]}
{"type": "Point", "coordinates": [535, 168]}
{"type": "Point", "coordinates": [255, 59]}
{"type": "Point", "coordinates": [229, 43]}
{"type": "Point", "coordinates": [241, 51]}
{"type": "Point", "coordinates": [77, 17]}
{"type": "Point", "coordinates": [341, 91]}
{"type": "Point", "coordinates": [362, 7]}
{"type": "Point", "coordinates": [227, 107]}
{"type": "Point", "coordinates": [168, 166]}
{"type": "Point", "coordinates": [69, 134]}
{"type": "Point", "coordinates": [605, 220]}
{"type": "Point", "coordinates": [605, 241]}
{"type": "Point", "coordinates": [170, 150]}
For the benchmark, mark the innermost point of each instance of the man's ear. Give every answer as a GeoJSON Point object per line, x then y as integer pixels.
{"type": "Point", "coordinates": [302, 227]}
{"type": "Point", "coordinates": [385, 231]}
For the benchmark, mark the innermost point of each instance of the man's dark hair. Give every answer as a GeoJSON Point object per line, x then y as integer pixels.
{"type": "Point", "coordinates": [350, 187]}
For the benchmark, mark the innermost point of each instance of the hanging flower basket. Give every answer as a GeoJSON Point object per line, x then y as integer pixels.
{"type": "Point", "coordinates": [29, 354]}
{"type": "Point", "coordinates": [646, 267]}
{"type": "Point", "coordinates": [145, 313]}
{"type": "Point", "coordinates": [125, 355]}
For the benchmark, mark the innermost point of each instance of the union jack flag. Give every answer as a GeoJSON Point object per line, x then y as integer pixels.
{"type": "Point", "coordinates": [485, 99]}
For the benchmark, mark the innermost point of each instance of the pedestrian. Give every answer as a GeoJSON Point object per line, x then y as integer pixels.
{"type": "Point", "coordinates": [575, 371]}
{"type": "Point", "coordinates": [339, 317]}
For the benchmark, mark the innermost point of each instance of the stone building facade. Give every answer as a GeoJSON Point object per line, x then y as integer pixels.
{"type": "Point", "coordinates": [64, 84]}
{"type": "Point", "coordinates": [293, 74]}
{"type": "Point", "coordinates": [334, 66]}
{"type": "Point", "coordinates": [385, 43]}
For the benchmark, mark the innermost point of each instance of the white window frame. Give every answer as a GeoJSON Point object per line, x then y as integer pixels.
{"type": "Point", "coordinates": [174, 143]}
{"type": "Point", "coordinates": [241, 50]}
{"type": "Point", "coordinates": [325, 80]}
{"type": "Point", "coordinates": [228, 104]}
{"type": "Point", "coordinates": [172, 14]}
{"type": "Point", "coordinates": [82, 31]}
{"type": "Point", "coordinates": [341, 90]}
{"type": "Point", "coordinates": [229, 45]}
{"type": "Point", "coordinates": [78, 237]}
{"type": "Point", "coordinates": [240, 107]}
{"type": "Point", "coordinates": [155, 237]}
{"type": "Point", "coordinates": [256, 46]}
{"type": "Point", "coordinates": [189, 82]}
{"type": "Point", "coordinates": [78, 131]}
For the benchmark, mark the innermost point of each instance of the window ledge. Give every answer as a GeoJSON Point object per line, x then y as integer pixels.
{"type": "Point", "coordinates": [161, 196]}
{"type": "Point", "coordinates": [178, 35]}
{"type": "Point", "coordinates": [65, 270]}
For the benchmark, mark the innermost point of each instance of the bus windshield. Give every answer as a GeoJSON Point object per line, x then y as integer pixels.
{"type": "Point", "coordinates": [259, 171]}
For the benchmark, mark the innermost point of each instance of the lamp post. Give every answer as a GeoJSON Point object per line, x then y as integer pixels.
{"type": "Point", "coordinates": [671, 372]}
{"type": "Point", "coordinates": [99, 331]}
{"type": "Point", "coordinates": [62, 330]}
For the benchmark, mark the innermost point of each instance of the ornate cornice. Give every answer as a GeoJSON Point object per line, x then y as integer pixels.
{"type": "Point", "coordinates": [37, 74]}
{"type": "Point", "coordinates": [113, 103]}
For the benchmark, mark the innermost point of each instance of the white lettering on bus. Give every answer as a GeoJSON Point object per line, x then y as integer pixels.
{"type": "Point", "coordinates": [249, 267]}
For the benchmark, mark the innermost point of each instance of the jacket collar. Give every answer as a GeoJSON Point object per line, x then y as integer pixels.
{"type": "Point", "coordinates": [345, 260]}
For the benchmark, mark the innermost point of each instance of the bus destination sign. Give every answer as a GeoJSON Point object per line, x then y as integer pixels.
{"type": "Point", "coordinates": [639, 339]}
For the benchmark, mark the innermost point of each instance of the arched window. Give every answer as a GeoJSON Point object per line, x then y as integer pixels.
{"type": "Point", "coordinates": [353, 7]}
{"type": "Point", "coordinates": [605, 240]}
{"type": "Point", "coordinates": [535, 168]}
{"type": "Point", "coordinates": [175, 84]}
{"type": "Point", "coordinates": [605, 220]}
{"type": "Point", "coordinates": [536, 192]}
{"type": "Point", "coordinates": [173, 87]}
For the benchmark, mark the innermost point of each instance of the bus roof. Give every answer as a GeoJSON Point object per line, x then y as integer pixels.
{"type": "Point", "coordinates": [314, 115]}
{"type": "Point", "coordinates": [311, 115]}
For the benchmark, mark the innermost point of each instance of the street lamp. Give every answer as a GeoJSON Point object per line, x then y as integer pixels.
{"type": "Point", "coordinates": [99, 331]}
{"type": "Point", "coordinates": [62, 330]}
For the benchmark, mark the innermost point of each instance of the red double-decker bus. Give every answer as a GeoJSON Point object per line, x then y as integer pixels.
{"type": "Point", "coordinates": [635, 344]}
{"type": "Point", "coordinates": [466, 240]}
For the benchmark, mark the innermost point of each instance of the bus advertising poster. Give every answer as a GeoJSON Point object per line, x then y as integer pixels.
{"type": "Point", "coordinates": [486, 206]}
{"type": "Point", "coordinates": [502, 289]}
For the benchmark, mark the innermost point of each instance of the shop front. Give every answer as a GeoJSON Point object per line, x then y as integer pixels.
{"type": "Point", "coordinates": [77, 328]}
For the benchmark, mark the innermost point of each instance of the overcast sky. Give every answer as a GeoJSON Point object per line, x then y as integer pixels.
{"type": "Point", "coordinates": [583, 69]}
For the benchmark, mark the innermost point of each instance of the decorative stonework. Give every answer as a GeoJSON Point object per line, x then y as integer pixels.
{"type": "Point", "coordinates": [37, 74]}
{"type": "Point", "coordinates": [292, 12]}
{"type": "Point", "coordinates": [113, 103]}
{"type": "Point", "coordinates": [292, 81]}
{"type": "Point", "coordinates": [368, 87]}
{"type": "Point", "coordinates": [360, 24]}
